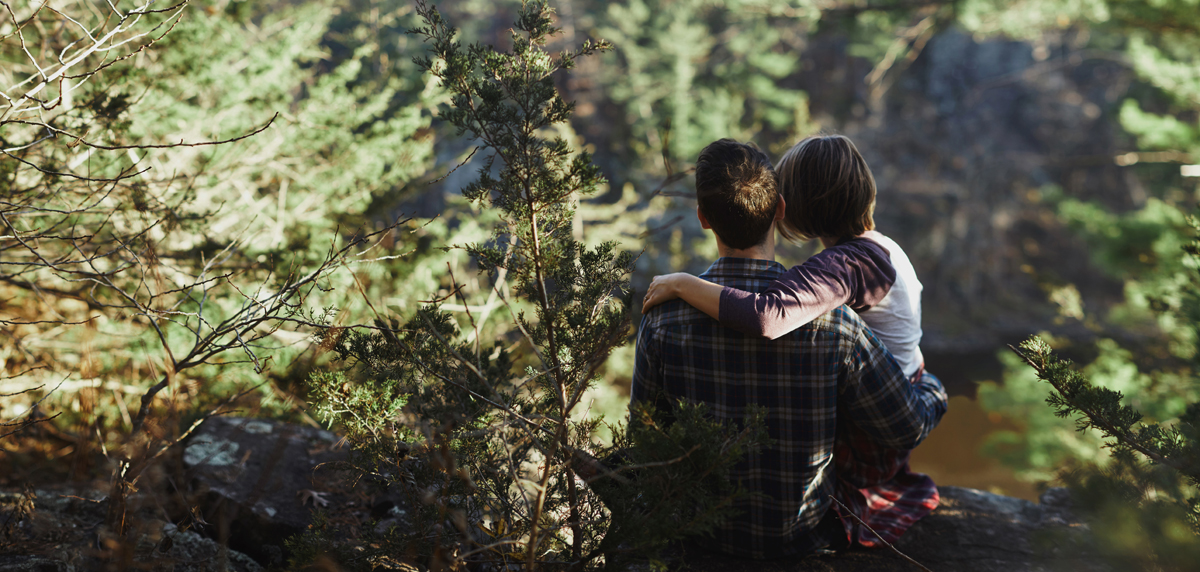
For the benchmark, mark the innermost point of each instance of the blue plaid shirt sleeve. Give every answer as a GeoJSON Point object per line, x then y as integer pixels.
{"type": "Point", "coordinates": [647, 367]}
{"type": "Point", "coordinates": [882, 401]}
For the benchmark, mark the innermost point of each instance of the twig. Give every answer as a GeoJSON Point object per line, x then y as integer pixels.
{"type": "Point", "coordinates": [19, 374]}
{"type": "Point", "coordinates": [913, 37]}
{"type": "Point", "coordinates": [23, 425]}
{"type": "Point", "coordinates": [889, 544]}
{"type": "Point", "coordinates": [664, 226]}
{"type": "Point", "coordinates": [607, 472]}
{"type": "Point", "coordinates": [464, 162]}
{"type": "Point", "coordinates": [671, 179]}
{"type": "Point", "coordinates": [181, 142]}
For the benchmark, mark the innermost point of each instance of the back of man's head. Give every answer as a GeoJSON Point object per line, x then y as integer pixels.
{"type": "Point", "coordinates": [736, 192]}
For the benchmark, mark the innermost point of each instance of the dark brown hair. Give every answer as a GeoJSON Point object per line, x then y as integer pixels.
{"type": "Point", "coordinates": [736, 191]}
{"type": "Point", "coordinates": [828, 188]}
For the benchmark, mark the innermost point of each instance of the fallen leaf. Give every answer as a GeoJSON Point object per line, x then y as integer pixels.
{"type": "Point", "coordinates": [318, 499]}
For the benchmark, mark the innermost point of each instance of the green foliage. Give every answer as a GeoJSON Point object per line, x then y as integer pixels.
{"type": "Point", "coordinates": [690, 72]}
{"type": "Point", "coordinates": [1147, 498]}
{"type": "Point", "coordinates": [1152, 364]}
{"type": "Point", "coordinates": [1044, 442]}
{"type": "Point", "coordinates": [191, 198]}
{"type": "Point", "coordinates": [1029, 18]}
{"type": "Point", "coordinates": [1142, 523]}
{"type": "Point", "coordinates": [319, 539]}
{"type": "Point", "coordinates": [1160, 41]}
{"type": "Point", "coordinates": [690, 491]}
{"type": "Point", "coordinates": [1138, 477]}
{"type": "Point", "coordinates": [349, 130]}
{"type": "Point", "coordinates": [1157, 132]}
{"type": "Point", "coordinates": [1134, 465]}
{"type": "Point", "coordinates": [487, 442]}
{"type": "Point", "coordinates": [353, 133]}
{"type": "Point", "coordinates": [1146, 249]}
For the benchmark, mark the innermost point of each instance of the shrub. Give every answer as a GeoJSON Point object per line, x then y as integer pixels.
{"type": "Point", "coordinates": [491, 443]}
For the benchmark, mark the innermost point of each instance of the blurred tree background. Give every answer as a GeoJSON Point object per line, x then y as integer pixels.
{"type": "Point", "coordinates": [1035, 158]}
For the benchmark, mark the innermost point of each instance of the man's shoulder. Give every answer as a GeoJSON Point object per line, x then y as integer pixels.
{"type": "Point", "coordinates": [674, 312]}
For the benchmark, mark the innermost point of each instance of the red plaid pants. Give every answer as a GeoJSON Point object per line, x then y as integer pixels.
{"type": "Point", "coordinates": [877, 486]}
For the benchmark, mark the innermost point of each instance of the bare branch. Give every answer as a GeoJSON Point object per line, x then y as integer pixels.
{"type": "Point", "coordinates": [181, 143]}
{"type": "Point", "coordinates": [889, 544]}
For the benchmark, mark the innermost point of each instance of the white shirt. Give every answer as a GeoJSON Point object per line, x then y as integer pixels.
{"type": "Point", "coordinates": [896, 320]}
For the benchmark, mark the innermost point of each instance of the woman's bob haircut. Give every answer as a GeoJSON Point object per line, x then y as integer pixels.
{"type": "Point", "coordinates": [829, 190]}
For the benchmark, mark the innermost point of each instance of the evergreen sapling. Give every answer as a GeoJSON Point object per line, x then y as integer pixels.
{"type": "Point", "coordinates": [491, 446]}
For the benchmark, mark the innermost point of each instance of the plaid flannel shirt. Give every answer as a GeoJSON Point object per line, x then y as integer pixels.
{"type": "Point", "coordinates": [804, 380]}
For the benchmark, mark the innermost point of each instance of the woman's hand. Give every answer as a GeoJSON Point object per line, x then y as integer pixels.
{"type": "Point", "coordinates": [700, 293]}
{"type": "Point", "coordinates": [663, 289]}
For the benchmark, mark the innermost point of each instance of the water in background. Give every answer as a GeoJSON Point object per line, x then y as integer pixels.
{"type": "Point", "coordinates": [952, 454]}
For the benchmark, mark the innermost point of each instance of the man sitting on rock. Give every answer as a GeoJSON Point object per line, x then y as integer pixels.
{"type": "Point", "coordinates": [830, 388]}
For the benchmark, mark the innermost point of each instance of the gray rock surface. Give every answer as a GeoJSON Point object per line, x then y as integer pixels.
{"type": "Point", "coordinates": [58, 533]}
{"type": "Point", "coordinates": [248, 473]}
{"type": "Point", "coordinates": [971, 531]}
{"type": "Point", "coordinates": [26, 563]}
{"type": "Point", "coordinates": [189, 552]}
{"type": "Point", "coordinates": [257, 482]}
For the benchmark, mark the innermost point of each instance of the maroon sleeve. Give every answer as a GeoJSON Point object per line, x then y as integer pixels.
{"type": "Point", "coordinates": [856, 272]}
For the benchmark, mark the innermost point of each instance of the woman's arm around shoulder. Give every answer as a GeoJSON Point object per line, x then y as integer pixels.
{"type": "Point", "coordinates": [857, 272]}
